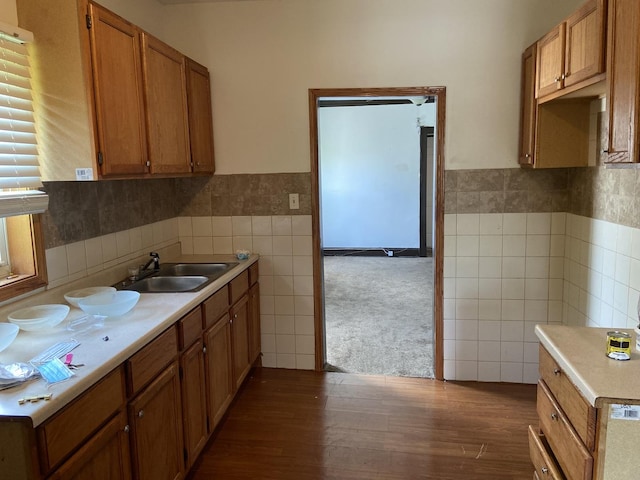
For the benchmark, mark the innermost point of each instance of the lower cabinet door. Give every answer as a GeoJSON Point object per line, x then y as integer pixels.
{"type": "Point", "coordinates": [240, 340]}
{"type": "Point", "coordinates": [545, 466]}
{"type": "Point", "coordinates": [194, 404]}
{"type": "Point", "coordinates": [104, 457]}
{"type": "Point", "coordinates": [219, 369]}
{"type": "Point", "coordinates": [156, 429]}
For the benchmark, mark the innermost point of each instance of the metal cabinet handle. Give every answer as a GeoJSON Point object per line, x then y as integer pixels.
{"type": "Point", "coordinates": [204, 350]}
{"type": "Point", "coordinates": [554, 416]}
{"type": "Point", "coordinates": [557, 371]}
{"type": "Point", "coordinates": [141, 413]}
{"type": "Point", "coordinates": [544, 470]}
{"type": "Point", "coordinates": [126, 429]}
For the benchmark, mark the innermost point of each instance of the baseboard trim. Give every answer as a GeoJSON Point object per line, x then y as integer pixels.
{"type": "Point", "coordinates": [373, 252]}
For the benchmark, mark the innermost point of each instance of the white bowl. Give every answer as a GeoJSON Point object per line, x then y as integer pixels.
{"type": "Point", "coordinates": [39, 317]}
{"type": "Point", "coordinates": [8, 333]}
{"type": "Point", "coordinates": [75, 296]}
{"type": "Point", "coordinates": [110, 304]}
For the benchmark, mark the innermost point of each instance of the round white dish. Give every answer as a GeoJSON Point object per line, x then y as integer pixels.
{"type": "Point", "coordinates": [39, 317]}
{"type": "Point", "coordinates": [8, 333]}
{"type": "Point", "coordinates": [75, 296]}
{"type": "Point", "coordinates": [110, 304]}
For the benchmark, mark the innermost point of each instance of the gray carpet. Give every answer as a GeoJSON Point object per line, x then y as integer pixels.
{"type": "Point", "coordinates": [378, 315]}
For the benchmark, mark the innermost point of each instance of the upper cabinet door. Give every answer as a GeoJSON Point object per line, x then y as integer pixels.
{"type": "Point", "coordinates": [117, 81]}
{"type": "Point", "coordinates": [623, 91]}
{"type": "Point", "coordinates": [528, 107]}
{"type": "Point", "coordinates": [585, 33]}
{"type": "Point", "coordinates": [166, 99]}
{"type": "Point", "coordinates": [200, 118]}
{"type": "Point", "coordinates": [550, 61]}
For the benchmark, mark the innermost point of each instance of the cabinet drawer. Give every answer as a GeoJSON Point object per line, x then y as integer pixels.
{"type": "Point", "coordinates": [215, 306]}
{"type": "Point", "coordinates": [62, 434]}
{"type": "Point", "coordinates": [581, 415]}
{"type": "Point", "coordinates": [574, 459]}
{"type": "Point", "coordinates": [151, 360]}
{"type": "Point", "coordinates": [238, 286]}
{"type": "Point", "coordinates": [543, 462]}
{"type": "Point", "coordinates": [190, 328]}
{"type": "Point", "coordinates": [253, 273]}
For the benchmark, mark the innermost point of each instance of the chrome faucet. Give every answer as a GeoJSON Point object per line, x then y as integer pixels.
{"type": "Point", "coordinates": [155, 259]}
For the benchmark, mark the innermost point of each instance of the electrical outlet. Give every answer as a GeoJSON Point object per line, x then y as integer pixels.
{"type": "Point", "coordinates": [294, 201]}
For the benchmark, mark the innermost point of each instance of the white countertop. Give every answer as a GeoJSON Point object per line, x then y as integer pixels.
{"type": "Point", "coordinates": [153, 313]}
{"type": "Point", "coordinates": [581, 353]}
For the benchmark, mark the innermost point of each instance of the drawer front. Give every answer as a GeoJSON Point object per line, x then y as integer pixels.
{"type": "Point", "coordinates": [63, 433]}
{"type": "Point", "coordinates": [151, 360]}
{"type": "Point", "coordinates": [190, 328]}
{"type": "Point", "coordinates": [238, 287]}
{"type": "Point", "coordinates": [581, 415]}
{"type": "Point", "coordinates": [543, 462]}
{"type": "Point", "coordinates": [215, 306]}
{"type": "Point", "coordinates": [253, 273]}
{"type": "Point", "coordinates": [574, 459]}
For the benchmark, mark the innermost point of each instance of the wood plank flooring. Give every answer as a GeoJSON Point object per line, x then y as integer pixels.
{"type": "Point", "coordinates": [291, 424]}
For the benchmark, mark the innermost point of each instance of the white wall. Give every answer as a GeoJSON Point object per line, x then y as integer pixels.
{"type": "Point", "coordinates": [370, 176]}
{"type": "Point", "coordinates": [264, 56]}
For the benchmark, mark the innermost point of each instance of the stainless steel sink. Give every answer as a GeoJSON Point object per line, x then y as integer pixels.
{"type": "Point", "coordinates": [177, 277]}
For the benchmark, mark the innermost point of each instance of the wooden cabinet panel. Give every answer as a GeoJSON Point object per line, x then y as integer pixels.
{"type": "Point", "coordinates": [63, 433]}
{"type": "Point", "coordinates": [104, 457]}
{"type": "Point", "coordinates": [550, 61]}
{"type": "Point", "coordinates": [581, 415]}
{"type": "Point", "coordinates": [238, 287]}
{"type": "Point", "coordinates": [194, 402]}
{"type": "Point", "coordinates": [584, 55]}
{"type": "Point", "coordinates": [541, 458]}
{"type": "Point", "coordinates": [623, 78]}
{"type": "Point", "coordinates": [190, 328]}
{"type": "Point", "coordinates": [151, 360]}
{"type": "Point", "coordinates": [254, 323]}
{"type": "Point", "coordinates": [574, 459]}
{"type": "Point", "coordinates": [166, 101]}
{"type": "Point", "coordinates": [219, 369]}
{"type": "Point", "coordinates": [119, 102]}
{"type": "Point", "coordinates": [528, 106]}
{"type": "Point", "coordinates": [200, 118]}
{"type": "Point", "coordinates": [215, 306]}
{"type": "Point", "coordinates": [240, 340]}
{"type": "Point", "coordinates": [156, 429]}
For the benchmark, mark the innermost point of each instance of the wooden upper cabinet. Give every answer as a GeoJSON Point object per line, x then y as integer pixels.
{"type": "Point", "coordinates": [623, 78]}
{"type": "Point", "coordinates": [118, 90]}
{"type": "Point", "coordinates": [550, 61]}
{"type": "Point", "coordinates": [572, 55]}
{"type": "Point", "coordinates": [528, 106]}
{"type": "Point", "coordinates": [200, 118]}
{"type": "Point", "coordinates": [165, 91]}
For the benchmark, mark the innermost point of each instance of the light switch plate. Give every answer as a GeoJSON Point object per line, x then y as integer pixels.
{"type": "Point", "coordinates": [294, 201]}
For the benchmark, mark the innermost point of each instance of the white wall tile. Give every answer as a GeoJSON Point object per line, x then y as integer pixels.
{"type": "Point", "coordinates": [241, 225]}
{"type": "Point", "coordinates": [468, 246]}
{"type": "Point", "coordinates": [514, 245]}
{"type": "Point", "coordinates": [301, 225]}
{"type": "Point", "coordinates": [514, 224]}
{"type": "Point", "coordinates": [450, 226]}
{"type": "Point", "coordinates": [57, 265]}
{"type": "Point", "coordinates": [467, 267]}
{"type": "Point", "coordinates": [490, 267]}
{"type": "Point", "coordinates": [185, 228]}
{"type": "Point", "coordinates": [221, 226]}
{"type": "Point", "coordinates": [468, 224]}
{"type": "Point", "coordinates": [302, 245]}
{"type": "Point", "coordinates": [538, 223]}
{"type": "Point", "coordinates": [489, 371]}
{"type": "Point", "coordinates": [261, 225]}
{"type": "Point", "coordinates": [93, 252]}
{"type": "Point", "coordinates": [282, 245]}
{"type": "Point", "coordinates": [203, 227]}
{"type": "Point", "coordinates": [490, 245]}
{"type": "Point", "coordinates": [281, 225]}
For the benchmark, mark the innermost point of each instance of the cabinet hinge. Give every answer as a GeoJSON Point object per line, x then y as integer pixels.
{"type": "Point", "coordinates": [89, 22]}
{"type": "Point", "coordinates": [100, 159]}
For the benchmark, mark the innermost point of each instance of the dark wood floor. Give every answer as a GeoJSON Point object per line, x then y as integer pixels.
{"type": "Point", "coordinates": [301, 425]}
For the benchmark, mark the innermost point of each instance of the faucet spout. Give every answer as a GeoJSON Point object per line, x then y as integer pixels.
{"type": "Point", "coordinates": [155, 259]}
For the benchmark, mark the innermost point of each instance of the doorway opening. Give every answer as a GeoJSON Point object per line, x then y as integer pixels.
{"type": "Point", "coordinates": [347, 243]}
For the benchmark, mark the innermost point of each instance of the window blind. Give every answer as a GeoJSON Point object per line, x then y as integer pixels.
{"type": "Point", "coordinates": [20, 183]}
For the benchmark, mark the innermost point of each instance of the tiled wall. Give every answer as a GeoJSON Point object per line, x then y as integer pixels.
{"type": "Point", "coordinates": [286, 276]}
{"type": "Point", "coordinates": [503, 274]}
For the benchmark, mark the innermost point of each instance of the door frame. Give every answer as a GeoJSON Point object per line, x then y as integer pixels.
{"type": "Point", "coordinates": [438, 251]}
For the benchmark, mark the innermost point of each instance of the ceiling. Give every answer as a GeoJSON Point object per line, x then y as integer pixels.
{"type": "Point", "coordinates": [175, 2]}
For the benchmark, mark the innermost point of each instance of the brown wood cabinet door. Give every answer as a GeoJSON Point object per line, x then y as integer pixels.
{"type": "Point", "coordinates": [254, 322]}
{"type": "Point", "coordinates": [165, 90]}
{"type": "Point", "coordinates": [104, 457]}
{"type": "Point", "coordinates": [584, 55]}
{"type": "Point", "coordinates": [156, 429]}
{"type": "Point", "coordinates": [218, 369]}
{"type": "Point", "coordinates": [240, 340]}
{"type": "Point", "coordinates": [623, 96]}
{"type": "Point", "coordinates": [550, 61]}
{"type": "Point", "coordinates": [528, 108]}
{"type": "Point", "coordinates": [194, 403]}
{"type": "Point", "coordinates": [200, 117]}
{"type": "Point", "coordinates": [117, 83]}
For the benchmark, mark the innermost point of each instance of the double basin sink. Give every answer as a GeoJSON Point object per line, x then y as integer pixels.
{"type": "Point", "coordinates": [176, 277]}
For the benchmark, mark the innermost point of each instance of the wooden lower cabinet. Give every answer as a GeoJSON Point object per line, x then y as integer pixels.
{"type": "Point", "coordinates": [194, 401]}
{"type": "Point", "coordinates": [254, 323]}
{"type": "Point", "coordinates": [156, 429]}
{"type": "Point", "coordinates": [240, 340]}
{"type": "Point", "coordinates": [219, 369]}
{"type": "Point", "coordinates": [104, 457]}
